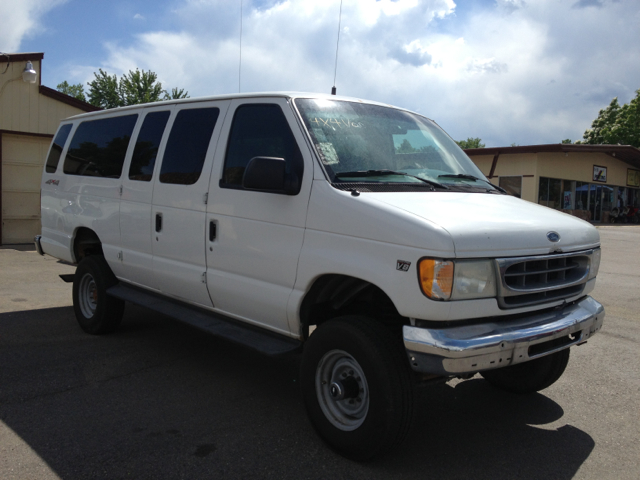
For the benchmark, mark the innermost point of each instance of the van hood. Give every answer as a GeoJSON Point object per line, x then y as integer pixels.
{"type": "Point", "coordinates": [490, 225]}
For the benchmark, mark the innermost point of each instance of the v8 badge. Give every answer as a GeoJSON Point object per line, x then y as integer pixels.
{"type": "Point", "coordinates": [403, 266]}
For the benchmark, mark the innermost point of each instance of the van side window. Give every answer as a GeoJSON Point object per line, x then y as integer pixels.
{"type": "Point", "coordinates": [147, 144]}
{"type": "Point", "coordinates": [57, 147]}
{"type": "Point", "coordinates": [98, 147]}
{"type": "Point", "coordinates": [187, 145]}
{"type": "Point", "coordinates": [259, 130]}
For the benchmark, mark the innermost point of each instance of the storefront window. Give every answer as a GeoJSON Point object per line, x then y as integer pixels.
{"type": "Point", "coordinates": [590, 201]}
{"type": "Point", "coordinates": [513, 185]}
{"type": "Point", "coordinates": [582, 196]}
{"type": "Point", "coordinates": [543, 192]}
{"type": "Point", "coordinates": [550, 193]}
{"type": "Point", "coordinates": [632, 197]}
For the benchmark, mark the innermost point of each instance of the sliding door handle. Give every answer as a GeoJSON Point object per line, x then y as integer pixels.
{"type": "Point", "coordinates": [158, 222]}
{"type": "Point", "coordinates": [213, 231]}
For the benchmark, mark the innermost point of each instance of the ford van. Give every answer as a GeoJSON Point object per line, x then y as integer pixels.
{"type": "Point", "coordinates": [353, 233]}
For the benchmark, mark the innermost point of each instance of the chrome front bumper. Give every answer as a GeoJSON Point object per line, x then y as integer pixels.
{"type": "Point", "coordinates": [494, 344]}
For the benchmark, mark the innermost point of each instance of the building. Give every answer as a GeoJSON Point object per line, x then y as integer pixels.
{"type": "Point", "coordinates": [29, 117]}
{"type": "Point", "coordinates": [587, 181]}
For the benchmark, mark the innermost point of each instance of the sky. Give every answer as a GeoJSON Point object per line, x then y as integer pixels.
{"type": "Point", "coordinates": [519, 72]}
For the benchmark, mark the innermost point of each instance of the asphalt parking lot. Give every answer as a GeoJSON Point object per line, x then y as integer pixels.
{"type": "Point", "coordinates": [158, 399]}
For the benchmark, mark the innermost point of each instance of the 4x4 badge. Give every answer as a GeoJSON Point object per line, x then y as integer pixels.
{"type": "Point", "coordinates": [403, 266]}
{"type": "Point", "coordinates": [553, 237]}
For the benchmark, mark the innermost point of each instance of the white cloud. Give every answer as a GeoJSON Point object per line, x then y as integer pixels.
{"type": "Point", "coordinates": [512, 71]}
{"type": "Point", "coordinates": [20, 19]}
{"type": "Point", "coordinates": [137, 16]}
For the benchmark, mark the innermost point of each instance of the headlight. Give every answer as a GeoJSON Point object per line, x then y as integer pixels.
{"type": "Point", "coordinates": [459, 280]}
{"type": "Point", "coordinates": [474, 279]}
{"type": "Point", "coordinates": [595, 263]}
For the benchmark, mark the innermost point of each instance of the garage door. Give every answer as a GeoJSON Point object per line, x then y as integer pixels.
{"type": "Point", "coordinates": [22, 163]}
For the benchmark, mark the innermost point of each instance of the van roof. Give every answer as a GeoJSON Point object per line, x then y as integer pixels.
{"type": "Point", "coordinates": [231, 96]}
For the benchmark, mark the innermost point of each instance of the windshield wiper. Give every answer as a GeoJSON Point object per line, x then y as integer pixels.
{"type": "Point", "coordinates": [471, 177]}
{"type": "Point", "coordinates": [380, 173]}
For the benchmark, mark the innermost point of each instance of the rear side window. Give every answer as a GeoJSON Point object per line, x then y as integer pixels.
{"type": "Point", "coordinates": [147, 144]}
{"type": "Point", "coordinates": [57, 147]}
{"type": "Point", "coordinates": [187, 145]}
{"type": "Point", "coordinates": [259, 130]}
{"type": "Point", "coordinates": [98, 147]}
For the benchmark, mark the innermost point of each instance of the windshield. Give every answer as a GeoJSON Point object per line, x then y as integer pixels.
{"type": "Point", "coordinates": [359, 142]}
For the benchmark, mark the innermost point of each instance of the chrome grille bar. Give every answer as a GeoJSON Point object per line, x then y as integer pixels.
{"type": "Point", "coordinates": [539, 279]}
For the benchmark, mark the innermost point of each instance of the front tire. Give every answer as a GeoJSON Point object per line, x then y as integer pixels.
{"type": "Point", "coordinates": [96, 312]}
{"type": "Point", "coordinates": [357, 386]}
{"type": "Point", "coordinates": [529, 377]}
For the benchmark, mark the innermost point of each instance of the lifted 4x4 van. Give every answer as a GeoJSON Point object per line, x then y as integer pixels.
{"type": "Point", "coordinates": [355, 232]}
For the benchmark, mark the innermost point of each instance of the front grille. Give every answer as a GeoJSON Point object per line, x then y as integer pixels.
{"type": "Point", "coordinates": [542, 273]}
{"type": "Point", "coordinates": [546, 278]}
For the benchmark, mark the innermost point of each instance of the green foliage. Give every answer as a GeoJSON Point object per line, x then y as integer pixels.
{"type": "Point", "coordinates": [104, 91]}
{"type": "Point", "coordinates": [75, 91]}
{"type": "Point", "coordinates": [567, 141]}
{"type": "Point", "coordinates": [175, 94]}
{"type": "Point", "coordinates": [135, 87]}
{"type": "Point", "coordinates": [471, 143]}
{"type": "Point", "coordinates": [616, 124]}
{"type": "Point", "coordinates": [140, 87]}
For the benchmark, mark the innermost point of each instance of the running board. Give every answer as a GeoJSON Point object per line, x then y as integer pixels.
{"type": "Point", "coordinates": [263, 341]}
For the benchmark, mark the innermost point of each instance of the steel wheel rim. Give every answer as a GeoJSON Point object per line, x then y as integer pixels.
{"type": "Point", "coordinates": [339, 369]}
{"type": "Point", "coordinates": [88, 295]}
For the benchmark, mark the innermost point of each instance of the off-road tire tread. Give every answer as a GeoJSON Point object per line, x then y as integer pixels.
{"type": "Point", "coordinates": [390, 355]}
{"type": "Point", "coordinates": [109, 311]}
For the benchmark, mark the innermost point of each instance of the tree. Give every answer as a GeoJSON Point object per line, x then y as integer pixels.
{"type": "Point", "coordinates": [104, 91]}
{"type": "Point", "coordinates": [567, 141]}
{"type": "Point", "coordinates": [135, 87]}
{"type": "Point", "coordinates": [75, 91]}
{"type": "Point", "coordinates": [471, 143]}
{"type": "Point", "coordinates": [616, 125]}
{"type": "Point", "coordinates": [175, 94]}
{"type": "Point", "coordinates": [140, 87]}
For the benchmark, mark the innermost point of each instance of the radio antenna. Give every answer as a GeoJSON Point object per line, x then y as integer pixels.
{"type": "Point", "coordinates": [240, 59]}
{"type": "Point", "coordinates": [335, 71]}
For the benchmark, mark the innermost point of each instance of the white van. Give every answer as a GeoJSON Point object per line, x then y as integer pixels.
{"type": "Point", "coordinates": [357, 233]}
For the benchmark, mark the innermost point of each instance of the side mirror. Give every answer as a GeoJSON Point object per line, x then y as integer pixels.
{"type": "Point", "coordinates": [267, 174]}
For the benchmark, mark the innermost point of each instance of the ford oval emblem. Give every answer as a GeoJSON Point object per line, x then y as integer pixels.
{"type": "Point", "coordinates": [553, 237]}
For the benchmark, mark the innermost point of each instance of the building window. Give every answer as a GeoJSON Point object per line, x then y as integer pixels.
{"type": "Point", "coordinates": [582, 196]}
{"type": "Point", "coordinates": [550, 193]}
{"type": "Point", "coordinates": [513, 185]}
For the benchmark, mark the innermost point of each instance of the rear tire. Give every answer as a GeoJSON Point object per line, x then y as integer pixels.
{"type": "Point", "coordinates": [529, 377]}
{"type": "Point", "coordinates": [96, 312]}
{"type": "Point", "coordinates": [357, 386]}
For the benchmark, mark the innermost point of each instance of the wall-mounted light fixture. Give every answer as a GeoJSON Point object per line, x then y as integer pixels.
{"type": "Point", "coordinates": [29, 75]}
